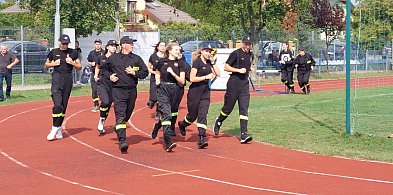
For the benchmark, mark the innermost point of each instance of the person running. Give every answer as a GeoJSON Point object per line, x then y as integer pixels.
{"type": "Point", "coordinates": [63, 60]}
{"type": "Point", "coordinates": [169, 74]}
{"type": "Point", "coordinates": [198, 97]}
{"type": "Point", "coordinates": [287, 66]}
{"type": "Point", "coordinates": [92, 58]}
{"type": "Point", "coordinates": [159, 50]}
{"type": "Point", "coordinates": [104, 85]}
{"type": "Point", "coordinates": [126, 69]}
{"type": "Point", "coordinates": [239, 64]}
{"type": "Point", "coordinates": [304, 63]}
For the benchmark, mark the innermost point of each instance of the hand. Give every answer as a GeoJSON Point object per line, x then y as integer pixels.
{"type": "Point", "coordinates": [213, 59]}
{"type": "Point", "coordinates": [242, 70]}
{"type": "Point", "coordinates": [170, 70]}
{"type": "Point", "coordinates": [209, 76]}
{"type": "Point", "coordinates": [56, 63]}
{"type": "Point", "coordinates": [282, 62]}
{"type": "Point", "coordinates": [312, 67]}
{"type": "Point", "coordinates": [96, 78]}
{"type": "Point", "coordinates": [69, 60]}
{"type": "Point", "coordinates": [296, 65]}
{"type": "Point", "coordinates": [114, 78]}
{"type": "Point", "coordinates": [130, 70]}
{"type": "Point", "coordinates": [9, 67]}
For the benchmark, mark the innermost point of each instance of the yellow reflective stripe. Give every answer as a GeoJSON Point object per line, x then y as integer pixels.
{"type": "Point", "coordinates": [308, 84]}
{"type": "Point", "coordinates": [302, 87]}
{"type": "Point", "coordinates": [166, 123]}
{"type": "Point", "coordinates": [121, 126]}
{"type": "Point", "coordinates": [95, 99]}
{"type": "Point", "coordinates": [103, 109]}
{"type": "Point", "coordinates": [291, 85]}
{"type": "Point", "coordinates": [243, 117]}
{"type": "Point", "coordinates": [201, 125]}
{"type": "Point", "coordinates": [285, 81]}
{"type": "Point", "coordinates": [187, 121]}
{"type": "Point", "coordinates": [174, 113]}
{"type": "Point", "coordinates": [135, 68]}
{"type": "Point", "coordinates": [308, 62]}
{"type": "Point", "coordinates": [58, 115]}
{"type": "Point", "coordinates": [223, 114]}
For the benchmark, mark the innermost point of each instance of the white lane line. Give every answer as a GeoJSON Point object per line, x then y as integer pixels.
{"type": "Point", "coordinates": [268, 165]}
{"type": "Point", "coordinates": [164, 170]}
{"type": "Point", "coordinates": [166, 174]}
{"type": "Point", "coordinates": [42, 172]}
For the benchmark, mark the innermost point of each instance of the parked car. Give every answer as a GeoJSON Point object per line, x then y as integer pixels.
{"type": "Point", "coordinates": [267, 52]}
{"type": "Point", "coordinates": [194, 45]}
{"type": "Point", "coordinates": [336, 51]}
{"type": "Point", "coordinates": [34, 56]}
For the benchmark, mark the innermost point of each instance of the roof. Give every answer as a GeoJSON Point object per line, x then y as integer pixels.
{"type": "Point", "coordinates": [14, 9]}
{"type": "Point", "coordinates": [162, 13]}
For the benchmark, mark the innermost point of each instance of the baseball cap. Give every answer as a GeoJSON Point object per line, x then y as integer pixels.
{"type": "Point", "coordinates": [112, 42]}
{"type": "Point", "coordinates": [64, 38]}
{"type": "Point", "coordinates": [127, 39]}
{"type": "Point", "coordinates": [247, 39]}
{"type": "Point", "coordinates": [98, 41]}
{"type": "Point", "coordinates": [301, 49]}
{"type": "Point", "coordinates": [207, 47]}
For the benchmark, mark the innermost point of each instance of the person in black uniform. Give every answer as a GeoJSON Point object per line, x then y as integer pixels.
{"type": "Point", "coordinates": [104, 85]}
{"type": "Point", "coordinates": [287, 67]}
{"type": "Point", "coordinates": [126, 69]}
{"type": "Point", "coordinates": [239, 64]}
{"type": "Point", "coordinates": [304, 63]}
{"type": "Point", "coordinates": [169, 74]}
{"type": "Point", "coordinates": [63, 60]}
{"type": "Point", "coordinates": [159, 50]}
{"type": "Point", "coordinates": [92, 58]}
{"type": "Point", "coordinates": [198, 97]}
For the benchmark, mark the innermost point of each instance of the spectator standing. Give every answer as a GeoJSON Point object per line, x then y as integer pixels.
{"type": "Point", "coordinates": [77, 73]}
{"type": "Point", "coordinates": [7, 61]}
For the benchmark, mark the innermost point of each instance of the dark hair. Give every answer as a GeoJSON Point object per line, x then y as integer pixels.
{"type": "Point", "coordinates": [77, 41]}
{"type": "Point", "coordinates": [156, 47]}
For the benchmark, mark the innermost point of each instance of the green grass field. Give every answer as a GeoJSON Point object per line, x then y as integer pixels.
{"type": "Point", "coordinates": [316, 123]}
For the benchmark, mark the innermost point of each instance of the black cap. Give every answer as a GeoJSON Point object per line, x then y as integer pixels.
{"type": "Point", "coordinates": [247, 39]}
{"type": "Point", "coordinates": [64, 39]}
{"type": "Point", "coordinates": [98, 41]}
{"type": "Point", "coordinates": [127, 39]}
{"type": "Point", "coordinates": [301, 49]}
{"type": "Point", "coordinates": [208, 46]}
{"type": "Point", "coordinates": [112, 42]}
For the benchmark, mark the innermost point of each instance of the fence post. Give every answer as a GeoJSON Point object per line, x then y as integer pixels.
{"type": "Point", "coordinates": [22, 54]}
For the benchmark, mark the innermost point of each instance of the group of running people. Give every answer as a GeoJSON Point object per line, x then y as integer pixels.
{"type": "Point", "coordinates": [117, 75]}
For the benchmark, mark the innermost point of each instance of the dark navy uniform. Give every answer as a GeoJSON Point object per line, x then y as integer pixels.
{"type": "Point", "coordinates": [104, 86]}
{"type": "Point", "coordinates": [61, 83]}
{"type": "Point", "coordinates": [124, 91]}
{"type": "Point", "coordinates": [304, 70]}
{"type": "Point", "coordinates": [168, 93]}
{"type": "Point", "coordinates": [93, 57]}
{"type": "Point", "coordinates": [287, 70]}
{"type": "Point", "coordinates": [198, 101]}
{"type": "Point", "coordinates": [237, 90]}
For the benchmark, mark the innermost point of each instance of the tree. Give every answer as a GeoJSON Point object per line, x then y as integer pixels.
{"type": "Point", "coordinates": [330, 19]}
{"type": "Point", "coordinates": [86, 16]}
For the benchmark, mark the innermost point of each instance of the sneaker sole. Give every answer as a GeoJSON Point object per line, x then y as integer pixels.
{"type": "Point", "coordinates": [169, 149]}
{"type": "Point", "coordinates": [248, 139]}
{"type": "Point", "coordinates": [203, 146]}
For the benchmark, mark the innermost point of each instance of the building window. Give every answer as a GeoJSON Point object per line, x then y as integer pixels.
{"type": "Point", "coordinates": [131, 11]}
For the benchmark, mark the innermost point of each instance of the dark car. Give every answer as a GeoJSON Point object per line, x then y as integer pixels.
{"type": "Point", "coordinates": [34, 56]}
{"type": "Point", "coordinates": [336, 51]}
{"type": "Point", "coordinates": [194, 45]}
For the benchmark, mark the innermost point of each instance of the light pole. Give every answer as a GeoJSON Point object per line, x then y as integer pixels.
{"type": "Point", "coordinates": [57, 24]}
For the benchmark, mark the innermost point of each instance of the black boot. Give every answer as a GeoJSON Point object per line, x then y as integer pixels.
{"type": "Point", "coordinates": [202, 143]}
{"type": "Point", "coordinates": [156, 127]}
{"type": "Point", "coordinates": [121, 136]}
{"type": "Point", "coordinates": [217, 126]}
{"type": "Point", "coordinates": [304, 90]}
{"type": "Point", "coordinates": [169, 145]}
{"type": "Point", "coordinates": [173, 122]}
{"type": "Point", "coordinates": [292, 90]}
{"type": "Point", "coordinates": [182, 128]}
{"type": "Point", "coordinates": [308, 89]}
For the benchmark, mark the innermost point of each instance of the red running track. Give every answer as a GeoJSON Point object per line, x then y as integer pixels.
{"type": "Point", "coordinates": [84, 162]}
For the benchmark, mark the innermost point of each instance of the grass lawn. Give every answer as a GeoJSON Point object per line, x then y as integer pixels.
{"type": "Point", "coordinates": [316, 123]}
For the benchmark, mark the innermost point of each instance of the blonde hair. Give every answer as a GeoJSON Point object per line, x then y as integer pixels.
{"type": "Point", "coordinates": [196, 54]}
{"type": "Point", "coordinates": [169, 47]}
